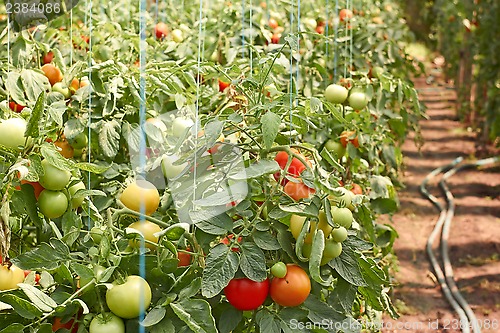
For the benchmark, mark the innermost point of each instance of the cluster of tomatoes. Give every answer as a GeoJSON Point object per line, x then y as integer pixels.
{"type": "Point", "coordinates": [161, 32]}
{"type": "Point", "coordinates": [290, 286]}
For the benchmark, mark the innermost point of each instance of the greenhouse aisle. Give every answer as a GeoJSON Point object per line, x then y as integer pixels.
{"type": "Point", "coordinates": [474, 242]}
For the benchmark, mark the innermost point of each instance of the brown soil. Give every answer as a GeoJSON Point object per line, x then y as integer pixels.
{"type": "Point", "coordinates": [474, 239]}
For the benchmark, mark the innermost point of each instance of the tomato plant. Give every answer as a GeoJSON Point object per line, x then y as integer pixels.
{"type": "Point", "coordinates": [245, 294]}
{"type": "Point", "coordinates": [196, 144]}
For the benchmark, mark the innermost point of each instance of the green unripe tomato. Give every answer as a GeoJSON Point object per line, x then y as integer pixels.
{"type": "Point", "coordinates": [358, 100]}
{"type": "Point", "coordinates": [62, 89]}
{"type": "Point", "coordinates": [12, 133]}
{"type": "Point", "coordinates": [107, 323]}
{"type": "Point", "coordinates": [335, 148]}
{"type": "Point", "coordinates": [96, 234]}
{"type": "Point", "coordinates": [342, 216]}
{"type": "Point", "coordinates": [80, 141]}
{"type": "Point", "coordinates": [279, 270]}
{"type": "Point", "coordinates": [332, 250]}
{"type": "Point", "coordinates": [76, 202]}
{"type": "Point", "coordinates": [306, 250]}
{"type": "Point", "coordinates": [339, 234]}
{"type": "Point", "coordinates": [130, 299]}
{"type": "Point", "coordinates": [336, 94]}
{"type": "Point", "coordinates": [53, 178]}
{"type": "Point", "coordinates": [52, 204]}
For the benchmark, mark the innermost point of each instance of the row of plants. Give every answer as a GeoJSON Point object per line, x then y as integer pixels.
{"type": "Point", "coordinates": [466, 34]}
{"type": "Point", "coordinates": [216, 171]}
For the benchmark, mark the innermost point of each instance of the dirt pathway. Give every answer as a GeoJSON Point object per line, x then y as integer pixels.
{"type": "Point", "coordinates": [475, 236]}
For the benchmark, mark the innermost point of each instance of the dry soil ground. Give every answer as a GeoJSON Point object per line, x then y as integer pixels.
{"type": "Point", "coordinates": [475, 235]}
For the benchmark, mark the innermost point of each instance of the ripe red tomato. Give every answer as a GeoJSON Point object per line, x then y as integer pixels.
{"type": "Point", "coordinates": [245, 294]}
{"type": "Point", "coordinates": [184, 258]}
{"type": "Point", "coordinates": [320, 29]}
{"type": "Point", "coordinates": [273, 24]}
{"type": "Point", "coordinates": [298, 191]}
{"type": "Point", "coordinates": [293, 289]}
{"type": "Point", "coordinates": [223, 85]}
{"type": "Point", "coordinates": [275, 39]}
{"type": "Point", "coordinates": [37, 276]}
{"type": "Point", "coordinates": [52, 73]}
{"type": "Point", "coordinates": [349, 136]}
{"type": "Point", "coordinates": [64, 148]}
{"type": "Point", "coordinates": [296, 167]}
{"type": "Point", "coordinates": [48, 57]}
{"type": "Point", "coordinates": [16, 107]}
{"type": "Point", "coordinates": [70, 325]}
{"type": "Point", "coordinates": [345, 15]}
{"type": "Point", "coordinates": [356, 189]}
{"type": "Point", "coordinates": [161, 30]}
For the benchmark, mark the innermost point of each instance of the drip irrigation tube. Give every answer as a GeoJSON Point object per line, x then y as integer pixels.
{"type": "Point", "coordinates": [443, 224]}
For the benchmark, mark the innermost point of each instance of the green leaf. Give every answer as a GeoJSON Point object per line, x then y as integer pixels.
{"type": "Point", "coordinates": [13, 328]}
{"type": "Point", "coordinates": [318, 245]}
{"type": "Point", "coordinates": [266, 241]}
{"type": "Point", "coordinates": [45, 257]}
{"type": "Point", "coordinates": [270, 128]}
{"type": "Point", "coordinates": [253, 262]}
{"type": "Point", "coordinates": [15, 87]}
{"type": "Point", "coordinates": [56, 111]}
{"type": "Point", "coordinates": [91, 167]}
{"type": "Point", "coordinates": [32, 129]}
{"type": "Point", "coordinates": [267, 322]}
{"type": "Point", "coordinates": [384, 206]}
{"type": "Point", "coordinates": [109, 138]}
{"type": "Point", "coordinates": [54, 158]}
{"type": "Point", "coordinates": [154, 317]}
{"type": "Point", "coordinates": [229, 319]}
{"type": "Point", "coordinates": [30, 204]}
{"type": "Point", "coordinates": [196, 313]}
{"type": "Point", "coordinates": [259, 169]}
{"type": "Point", "coordinates": [38, 298]}
{"type": "Point", "coordinates": [217, 225]}
{"type": "Point", "coordinates": [285, 239]}
{"type": "Point", "coordinates": [343, 296]}
{"type": "Point", "coordinates": [190, 291]}
{"type": "Point", "coordinates": [221, 265]}
{"type": "Point", "coordinates": [23, 307]}
{"type": "Point", "coordinates": [348, 268]}
{"type": "Point", "coordinates": [319, 311]}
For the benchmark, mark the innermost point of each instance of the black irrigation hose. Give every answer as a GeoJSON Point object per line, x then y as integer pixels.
{"type": "Point", "coordinates": [443, 224]}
